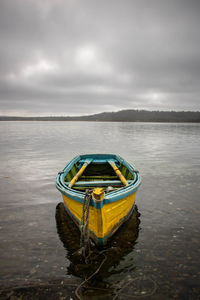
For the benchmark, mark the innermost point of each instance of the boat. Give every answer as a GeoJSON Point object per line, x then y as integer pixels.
{"type": "Point", "coordinates": [101, 187]}
{"type": "Point", "coordinates": [119, 247]}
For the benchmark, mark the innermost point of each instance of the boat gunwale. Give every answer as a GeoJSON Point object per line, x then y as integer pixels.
{"type": "Point", "coordinates": [112, 196]}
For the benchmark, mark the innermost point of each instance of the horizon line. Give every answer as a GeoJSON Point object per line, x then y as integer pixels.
{"type": "Point", "coordinates": [92, 114]}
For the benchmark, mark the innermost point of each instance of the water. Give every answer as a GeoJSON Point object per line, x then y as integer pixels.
{"type": "Point", "coordinates": [155, 258]}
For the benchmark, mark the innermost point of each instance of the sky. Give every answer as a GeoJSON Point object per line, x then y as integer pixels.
{"type": "Point", "coordinates": [79, 57]}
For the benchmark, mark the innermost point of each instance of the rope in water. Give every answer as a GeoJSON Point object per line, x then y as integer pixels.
{"type": "Point", "coordinates": [130, 281]}
{"type": "Point", "coordinates": [87, 279]}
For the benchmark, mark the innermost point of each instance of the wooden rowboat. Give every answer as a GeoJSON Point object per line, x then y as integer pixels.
{"type": "Point", "coordinates": [109, 182]}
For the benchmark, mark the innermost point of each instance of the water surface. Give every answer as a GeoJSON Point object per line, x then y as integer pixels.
{"type": "Point", "coordinates": [154, 258]}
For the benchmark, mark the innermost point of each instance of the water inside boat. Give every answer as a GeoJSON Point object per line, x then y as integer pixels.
{"type": "Point", "coordinates": [99, 174]}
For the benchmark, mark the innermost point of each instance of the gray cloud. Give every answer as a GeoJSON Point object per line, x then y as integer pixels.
{"type": "Point", "coordinates": [78, 57]}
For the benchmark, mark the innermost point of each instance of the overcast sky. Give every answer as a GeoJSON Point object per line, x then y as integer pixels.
{"type": "Point", "coordinates": [72, 57]}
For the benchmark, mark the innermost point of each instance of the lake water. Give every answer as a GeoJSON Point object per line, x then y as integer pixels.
{"type": "Point", "coordinates": [156, 257]}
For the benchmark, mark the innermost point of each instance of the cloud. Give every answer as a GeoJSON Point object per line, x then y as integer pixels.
{"type": "Point", "coordinates": [78, 57]}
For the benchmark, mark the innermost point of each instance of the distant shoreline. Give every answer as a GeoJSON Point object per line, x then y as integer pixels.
{"type": "Point", "coordinates": [121, 116]}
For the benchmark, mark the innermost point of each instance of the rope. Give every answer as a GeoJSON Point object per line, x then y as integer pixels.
{"type": "Point", "coordinates": [125, 285]}
{"type": "Point", "coordinates": [84, 239]}
{"type": "Point", "coordinates": [87, 279]}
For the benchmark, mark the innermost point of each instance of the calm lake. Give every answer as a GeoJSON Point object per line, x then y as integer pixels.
{"type": "Point", "coordinates": [156, 257]}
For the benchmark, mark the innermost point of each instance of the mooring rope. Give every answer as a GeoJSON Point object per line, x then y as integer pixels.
{"type": "Point", "coordinates": [87, 279]}
{"type": "Point", "coordinates": [125, 285]}
{"type": "Point", "coordinates": [84, 239]}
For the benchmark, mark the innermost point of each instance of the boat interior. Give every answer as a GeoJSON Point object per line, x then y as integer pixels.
{"type": "Point", "coordinates": [99, 174]}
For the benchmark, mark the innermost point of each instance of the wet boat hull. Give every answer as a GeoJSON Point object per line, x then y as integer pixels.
{"type": "Point", "coordinates": [103, 221]}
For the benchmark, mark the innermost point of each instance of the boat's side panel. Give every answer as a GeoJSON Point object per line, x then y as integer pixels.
{"type": "Point", "coordinates": [103, 222]}
{"type": "Point", "coordinates": [113, 213]}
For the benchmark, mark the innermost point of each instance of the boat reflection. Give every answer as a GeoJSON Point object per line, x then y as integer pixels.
{"type": "Point", "coordinates": [121, 244]}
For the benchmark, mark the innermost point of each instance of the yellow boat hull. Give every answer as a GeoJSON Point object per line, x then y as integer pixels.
{"type": "Point", "coordinates": [104, 221]}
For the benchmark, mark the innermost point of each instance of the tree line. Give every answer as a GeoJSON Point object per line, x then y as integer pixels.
{"type": "Point", "coordinates": [120, 116]}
